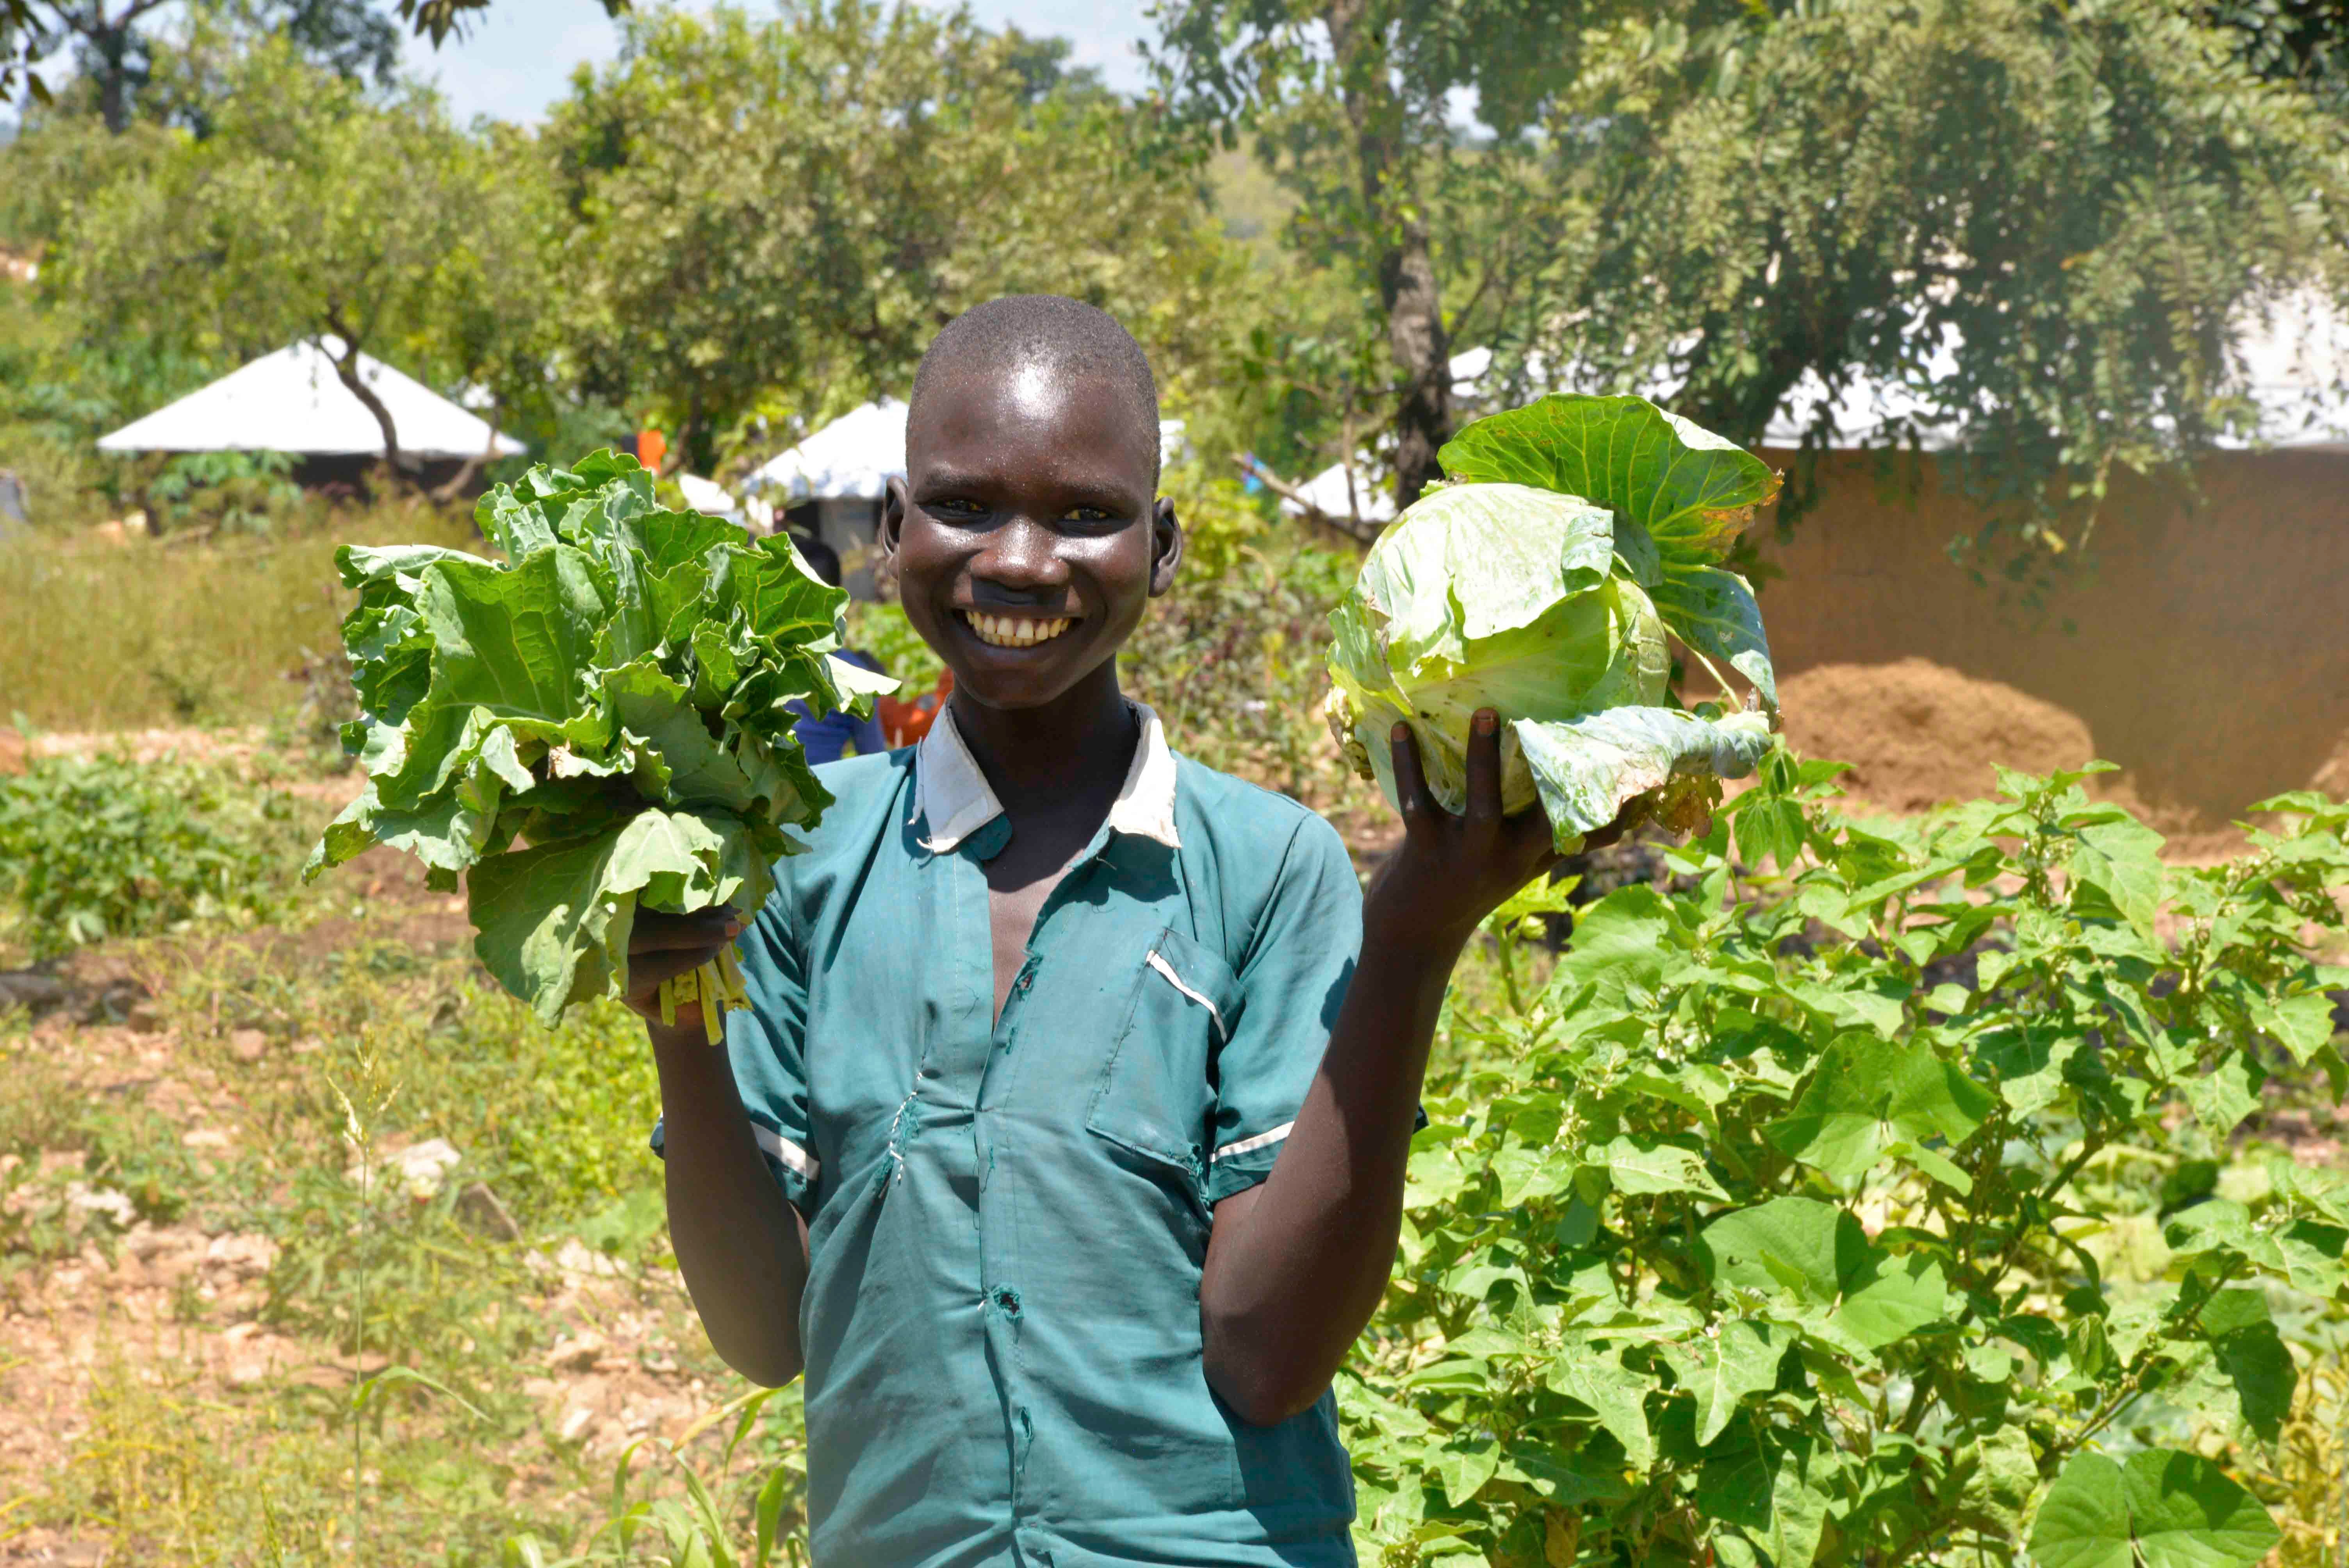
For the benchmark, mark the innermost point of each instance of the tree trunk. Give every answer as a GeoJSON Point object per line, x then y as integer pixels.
{"type": "Point", "coordinates": [1406, 265]}
{"type": "Point", "coordinates": [1415, 336]}
{"type": "Point", "coordinates": [346, 367]}
{"type": "Point", "coordinates": [111, 46]}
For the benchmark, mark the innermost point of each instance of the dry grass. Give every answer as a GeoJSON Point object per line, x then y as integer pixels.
{"type": "Point", "coordinates": [126, 634]}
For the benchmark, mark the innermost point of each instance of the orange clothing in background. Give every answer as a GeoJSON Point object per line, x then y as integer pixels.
{"type": "Point", "coordinates": [651, 447]}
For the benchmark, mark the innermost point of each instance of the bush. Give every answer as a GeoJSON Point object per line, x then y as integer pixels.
{"type": "Point", "coordinates": [1870, 1210]}
{"type": "Point", "coordinates": [98, 848]}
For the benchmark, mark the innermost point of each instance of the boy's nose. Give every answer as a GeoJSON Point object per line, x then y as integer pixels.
{"type": "Point", "coordinates": [1020, 558]}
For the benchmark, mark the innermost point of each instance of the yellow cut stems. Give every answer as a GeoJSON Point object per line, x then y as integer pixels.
{"type": "Point", "coordinates": [715, 987]}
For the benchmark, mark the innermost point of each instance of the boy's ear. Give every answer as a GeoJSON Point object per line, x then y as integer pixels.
{"type": "Point", "coordinates": [893, 519]}
{"type": "Point", "coordinates": [1165, 546]}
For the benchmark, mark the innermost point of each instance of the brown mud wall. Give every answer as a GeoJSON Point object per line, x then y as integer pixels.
{"type": "Point", "coordinates": [2204, 647]}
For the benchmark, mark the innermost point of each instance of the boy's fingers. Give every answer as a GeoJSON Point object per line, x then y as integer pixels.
{"type": "Point", "coordinates": [647, 970]}
{"type": "Point", "coordinates": [657, 932]}
{"type": "Point", "coordinates": [1411, 783]}
{"type": "Point", "coordinates": [1485, 767]}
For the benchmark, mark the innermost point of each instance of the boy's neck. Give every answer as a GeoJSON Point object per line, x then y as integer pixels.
{"type": "Point", "coordinates": [1078, 745]}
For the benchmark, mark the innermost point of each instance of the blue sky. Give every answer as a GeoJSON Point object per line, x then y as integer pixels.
{"type": "Point", "coordinates": [518, 59]}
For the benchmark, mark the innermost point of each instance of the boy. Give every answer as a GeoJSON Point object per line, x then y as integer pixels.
{"type": "Point", "coordinates": [1062, 1149]}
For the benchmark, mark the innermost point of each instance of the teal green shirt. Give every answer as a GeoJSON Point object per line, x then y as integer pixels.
{"type": "Point", "coordinates": [1006, 1219]}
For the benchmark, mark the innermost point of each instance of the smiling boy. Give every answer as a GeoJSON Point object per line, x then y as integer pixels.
{"type": "Point", "coordinates": [1062, 1147]}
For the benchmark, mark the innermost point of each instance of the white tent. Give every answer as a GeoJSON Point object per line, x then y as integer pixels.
{"type": "Point", "coordinates": [852, 458]}
{"type": "Point", "coordinates": [293, 401]}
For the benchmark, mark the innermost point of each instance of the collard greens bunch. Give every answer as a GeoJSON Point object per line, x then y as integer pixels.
{"type": "Point", "coordinates": [598, 721]}
{"type": "Point", "coordinates": [1577, 533]}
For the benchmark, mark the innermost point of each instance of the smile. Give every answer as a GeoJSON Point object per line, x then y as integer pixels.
{"type": "Point", "coordinates": [1015, 630]}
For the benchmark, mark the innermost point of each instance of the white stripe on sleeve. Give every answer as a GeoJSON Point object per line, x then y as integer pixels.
{"type": "Point", "coordinates": [793, 1157]}
{"type": "Point", "coordinates": [1249, 1145]}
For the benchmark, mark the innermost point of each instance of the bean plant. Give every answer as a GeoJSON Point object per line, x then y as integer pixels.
{"type": "Point", "coordinates": [1776, 1225]}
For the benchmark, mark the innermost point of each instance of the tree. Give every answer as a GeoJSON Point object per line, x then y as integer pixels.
{"type": "Point", "coordinates": [2071, 211]}
{"type": "Point", "coordinates": [1726, 199]}
{"type": "Point", "coordinates": [314, 209]}
{"type": "Point", "coordinates": [1353, 103]}
{"type": "Point", "coordinates": [118, 57]}
{"type": "Point", "coordinates": [775, 216]}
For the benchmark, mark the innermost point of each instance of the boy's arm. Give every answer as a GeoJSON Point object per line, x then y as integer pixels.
{"type": "Point", "coordinates": [740, 1245]}
{"type": "Point", "coordinates": [1297, 1265]}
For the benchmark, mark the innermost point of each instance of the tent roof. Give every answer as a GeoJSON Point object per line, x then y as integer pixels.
{"type": "Point", "coordinates": [854, 457]}
{"type": "Point", "coordinates": [293, 401]}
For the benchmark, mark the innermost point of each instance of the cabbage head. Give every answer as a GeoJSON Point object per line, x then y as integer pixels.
{"type": "Point", "coordinates": [1577, 539]}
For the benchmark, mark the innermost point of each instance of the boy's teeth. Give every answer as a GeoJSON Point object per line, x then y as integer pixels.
{"type": "Point", "coordinates": [1015, 630]}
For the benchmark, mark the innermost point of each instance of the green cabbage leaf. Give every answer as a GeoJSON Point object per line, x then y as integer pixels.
{"type": "Point", "coordinates": [600, 722]}
{"type": "Point", "coordinates": [1579, 537]}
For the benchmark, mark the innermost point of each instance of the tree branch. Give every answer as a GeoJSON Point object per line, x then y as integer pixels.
{"type": "Point", "coordinates": [1359, 531]}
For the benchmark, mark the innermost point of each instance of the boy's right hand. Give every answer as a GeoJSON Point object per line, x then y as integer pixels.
{"type": "Point", "coordinates": [663, 947]}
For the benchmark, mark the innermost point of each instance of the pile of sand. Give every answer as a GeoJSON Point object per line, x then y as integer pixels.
{"type": "Point", "coordinates": [1918, 735]}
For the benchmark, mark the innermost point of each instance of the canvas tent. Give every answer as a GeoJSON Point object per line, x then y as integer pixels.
{"type": "Point", "coordinates": [293, 401]}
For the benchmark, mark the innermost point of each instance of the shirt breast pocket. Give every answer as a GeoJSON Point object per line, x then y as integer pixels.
{"type": "Point", "coordinates": [1154, 1098]}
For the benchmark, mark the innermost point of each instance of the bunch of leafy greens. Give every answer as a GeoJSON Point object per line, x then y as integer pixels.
{"type": "Point", "coordinates": [599, 721]}
{"type": "Point", "coordinates": [1542, 583]}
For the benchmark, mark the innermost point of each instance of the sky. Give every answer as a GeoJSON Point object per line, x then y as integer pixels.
{"type": "Point", "coordinates": [519, 58]}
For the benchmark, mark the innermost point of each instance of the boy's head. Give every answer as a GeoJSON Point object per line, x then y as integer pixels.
{"type": "Point", "coordinates": [1027, 534]}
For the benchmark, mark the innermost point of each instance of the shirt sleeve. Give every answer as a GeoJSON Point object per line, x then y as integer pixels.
{"type": "Point", "coordinates": [766, 1045]}
{"type": "Point", "coordinates": [1300, 961]}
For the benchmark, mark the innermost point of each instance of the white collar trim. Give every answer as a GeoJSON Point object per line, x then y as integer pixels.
{"type": "Point", "coordinates": [951, 793]}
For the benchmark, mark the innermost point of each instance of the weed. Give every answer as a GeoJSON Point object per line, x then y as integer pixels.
{"type": "Point", "coordinates": [103, 847]}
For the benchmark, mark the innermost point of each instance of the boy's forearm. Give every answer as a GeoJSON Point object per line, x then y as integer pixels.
{"type": "Point", "coordinates": [1290, 1283]}
{"type": "Point", "coordinates": [740, 1245]}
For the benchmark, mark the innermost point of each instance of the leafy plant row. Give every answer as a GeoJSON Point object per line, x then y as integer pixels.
{"type": "Point", "coordinates": [1777, 1226]}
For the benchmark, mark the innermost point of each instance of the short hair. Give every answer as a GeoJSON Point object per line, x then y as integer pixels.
{"type": "Point", "coordinates": [1054, 332]}
{"type": "Point", "coordinates": [822, 558]}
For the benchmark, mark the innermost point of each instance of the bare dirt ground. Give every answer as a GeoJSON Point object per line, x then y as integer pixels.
{"type": "Point", "coordinates": [178, 1309]}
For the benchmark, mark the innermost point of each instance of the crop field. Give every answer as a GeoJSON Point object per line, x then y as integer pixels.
{"type": "Point", "coordinates": [1966, 1188]}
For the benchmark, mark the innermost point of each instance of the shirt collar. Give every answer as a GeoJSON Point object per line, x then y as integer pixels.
{"type": "Point", "coordinates": [953, 794]}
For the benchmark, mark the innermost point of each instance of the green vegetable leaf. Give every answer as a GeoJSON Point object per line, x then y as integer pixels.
{"type": "Point", "coordinates": [1723, 1366]}
{"type": "Point", "coordinates": [1688, 491]}
{"type": "Point", "coordinates": [2164, 1509]}
{"type": "Point", "coordinates": [1869, 1095]}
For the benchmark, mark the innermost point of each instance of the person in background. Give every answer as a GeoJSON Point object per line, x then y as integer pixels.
{"type": "Point", "coordinates": [835, 735]}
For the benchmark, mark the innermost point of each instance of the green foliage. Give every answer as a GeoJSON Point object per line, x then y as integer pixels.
{"type": "Point", "coordinates": [1232, 657]}
{"type": "Point", "coordinates": [1789, 1222]}
{"type": "Point", "coordinates": [772, 215]}
{"type": "Point", "coordinates": [614, 697]}
{"type": "Point", "coordinates": [102, 847]}
{"type": "Point", "coordinates": [237, 492]}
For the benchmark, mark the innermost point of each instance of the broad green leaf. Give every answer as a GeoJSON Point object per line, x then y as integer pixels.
{"type": "Point", "coordinates": [1615, 1393]}
{"type": "Point", "coordinates": [517, 641]}
{"type": "Point", "coordinates": [1725, 1364]}
{"type": "Point", "coordinates": [1894, 1298]}
{"type": "Point", "coordinates": [1869, 1094]}
{"type": "Point", "coordinates": [1715, 612]}
{"type": "Point", "coordinates": [2164, 1509]}
{"type": "Point", "coordinates": [2252, 1356]}
{"type": "Point", "coordinates": [1789, 1244]}
{"type": "Point", "coordinates": [1688, 491]}
{"type": "Point", "coordinates": [2000, 1475]}
{"type": "Point", "coordinates": [2116, 870]}
{"type": "Point", "coordinates": [2303, 1024]}
{"type": "Point", "coordinates": [1638, 1165]}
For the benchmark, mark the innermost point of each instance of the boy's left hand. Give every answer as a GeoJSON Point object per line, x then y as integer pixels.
{"type": "Point", "coordinates": [1450, 871]}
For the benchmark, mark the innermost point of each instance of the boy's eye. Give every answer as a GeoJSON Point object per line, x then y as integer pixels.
{"type": "Point", "coordinates": [956, 506]}
{"type": "Point", "coordinates": [1085, 514]}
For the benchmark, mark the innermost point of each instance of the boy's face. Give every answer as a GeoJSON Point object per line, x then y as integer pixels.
{"type": "Point", "coordinates": [1026, 534]}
